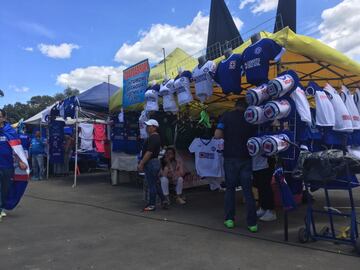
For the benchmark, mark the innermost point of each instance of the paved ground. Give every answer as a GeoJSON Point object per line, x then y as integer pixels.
{"type": "Point", "coordinates": [97, 226]}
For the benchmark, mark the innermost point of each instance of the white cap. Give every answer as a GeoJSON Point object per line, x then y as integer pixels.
{"type": "Point", "coordinates": [152, 122]}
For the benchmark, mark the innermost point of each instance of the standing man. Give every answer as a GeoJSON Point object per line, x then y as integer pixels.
{"type": "Point", "coordinates": [37, 151]}
{"type": "Point", "coordinates": [6, 163]}
{"type": "Point", "coordinates": [237, 163]}
{"type": "Point", "coordinates": [150, 164]}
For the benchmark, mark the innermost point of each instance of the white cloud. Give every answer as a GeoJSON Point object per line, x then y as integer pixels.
{"type": "Point", "coordinates": [84, 78]}
{"type": "Point", "coordinates": [62, 51]}
{"type": "Point", "coordinates": [29, 49]}
{"type": "Point", "coordinates": [22, 89]}
{"type": "Point", "coordinates": [259, 6]}
{"type": "Point", "coordinates": [340, 27]}
{"type": "Point", "coordinates": [191, 38]}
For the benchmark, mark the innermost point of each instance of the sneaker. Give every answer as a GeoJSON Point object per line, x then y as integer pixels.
{"type": "Point", "coordinates": [260, 212]}
{"type": "Point", "coordinates": [229, 224]}
{"type": "Point", "coordinates": [253, 229]}
{"type": "Point", "coordinates": [180, 200]}
{"type": "Point", "coordinates": [3, 214]}
{"type": "Point", "coordinates": [149, 208]}
{"type": "Point", "coordinates": [268, 216]}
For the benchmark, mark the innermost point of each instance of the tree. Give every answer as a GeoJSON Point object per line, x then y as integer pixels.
{"type": "Point", "coordinates": [69, 92]}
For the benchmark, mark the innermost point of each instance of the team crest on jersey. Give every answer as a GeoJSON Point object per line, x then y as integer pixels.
{"type": "Point", "coordinates": [213, 148]}
{"type": "Point", "coordinates": [258, 50]}
{"type": "Point", "coordinates": [206, 70]}
{"type": "Point", "coordinates": [232, 65]}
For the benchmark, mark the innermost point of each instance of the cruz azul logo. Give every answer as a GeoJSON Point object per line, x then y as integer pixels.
{"type": "Point", "coordinates": [232, 65]}
{"type": "Point", "coordinates": [206, 155]}
{"type": "Point", "coordinates": [258, 50]}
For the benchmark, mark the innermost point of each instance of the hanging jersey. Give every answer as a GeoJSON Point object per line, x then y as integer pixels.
{"type": "Point", "coordinates": [325, 114]}
{"type": "Point", "coordinates": [343, 120]}
{"type": "Point", "coordinates": [351, 107]}
{"type": "Point", "coordinates": [87, 131]}
{"type": "Point", "coordinates": [142, 127]}
{"type": "Point", "coordinates": [357, 99]}
{"type": "Point", "coordinates": [302, 105]}
{"type": "Point", "coordinates": [228, 74]}
{"type": "Point", "coordinates": [151, 100]}
{"type": "Point", "coordinates": [167, 90]}
{"type": "Point", "coordinates": [256, 60]}
{"type": "Point", "coordinates": [203, 80]}
{"type": "Point", "coordinates": [86, 145]}
{"type": "Point", "coordinates": [182, 88]}
{"type": "Point", "coordinates": [208, 159]}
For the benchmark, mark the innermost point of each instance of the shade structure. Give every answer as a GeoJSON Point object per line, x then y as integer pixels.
{"type": "Point", "coordinates": [309, 57]}
{"type": "Point", "coordinates": [222, 28]}
{"type": "Point", "coordinates": [97, 97]}
{"type": "Point", "coordinates": [285, 15]}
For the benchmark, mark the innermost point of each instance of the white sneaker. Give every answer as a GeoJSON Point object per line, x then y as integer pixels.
{"type": "Point", "coordinates": [260, 212]}
{"type": "Point", "coordinates": [3, 214]}
{"type": "Point", "coordinates": [269, 216]}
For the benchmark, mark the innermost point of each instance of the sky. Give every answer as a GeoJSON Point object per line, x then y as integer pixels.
{"type": "Point", "coordinates": [46, 46]}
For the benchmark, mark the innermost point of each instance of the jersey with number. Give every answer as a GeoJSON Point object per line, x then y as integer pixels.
{"type": "Point", "coordinates": [256, 60]}
{"type": "Point", "coordinates": [203, 77]}
{"type": "Point", "coordinates": [228, 74]}
{"type": "Point", "coordinates": [151, 100]}
{"type": "Point", "coordinates": [302, 105]}
{"type": "Point", "coordinates": [208, 158]}
{"type": "Point", "coordinates": [167, 90]}
{"type": "Point", "coordinates": [182, 88]}
{"type": "Point", "coordinates": [343, 120]}
{"type": "Point", "coordinates": [351, 107]}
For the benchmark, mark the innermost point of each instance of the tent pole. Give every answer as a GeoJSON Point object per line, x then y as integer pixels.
{"type": "Point", "coordinates": [47, 153]}
{"type": "Point", "coordinates": [76, 145]}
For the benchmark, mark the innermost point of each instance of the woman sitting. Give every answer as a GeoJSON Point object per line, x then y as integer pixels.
{"type": "Point", "coordinates": [172, 171]}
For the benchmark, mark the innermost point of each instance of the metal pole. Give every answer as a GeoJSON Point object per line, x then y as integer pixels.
{"type": "Point", "coordinates": [109, 93]}
{"type": "Point", "coordinates": [48, 153]}
{"type": "Point", "coordinates": [164, 61]}
{"type": "Point", "coordinates": [76, 145]}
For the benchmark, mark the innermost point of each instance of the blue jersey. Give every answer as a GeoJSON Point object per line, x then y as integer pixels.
{"type": "Point", "coordinates": [228, 74]}
{"type": "Point", "coordinates": [25, 141]}
{"type": "Point", "coordinates": [6, 154]}
{"type": "Point", "coordinates": [256, 60]}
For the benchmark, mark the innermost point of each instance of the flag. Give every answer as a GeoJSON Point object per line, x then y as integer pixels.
{"type": "Point", "coordinates": [287, 197]}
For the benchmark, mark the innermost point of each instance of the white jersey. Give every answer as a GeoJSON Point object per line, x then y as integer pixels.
{"type": "Point", "coordinates": [325, 114]}
{"type": "Point", "coordinates": [351, 107]}
{"type": "Point", "coordinates": [302, 105]}
{"type": "Point", "coordinates": [167, 90]}
{"type": "Point", "coordinates": [142, 127]}
{"type": "Point", "coordinates": [204, 80]}
{"type": "Point", "coordinates": [343, 120]}
{"type": "Point", "coordinates": [182, 89]}
{"type": "Point", "coordinates": [356, 97]}
{"type": "Point", "coordinates": [87, 131]}
{"type": "Point", "coordinates": [86, 144]}
{"type": "Point", "coordinates": [151, 100]}
{"type": "Point", "coordinates": [208, 159]}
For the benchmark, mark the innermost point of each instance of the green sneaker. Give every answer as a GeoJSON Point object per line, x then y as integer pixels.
{"type": "Point", "coordinates": [229, 224]}
{"type": "Point", "coordinates": [253, 229]}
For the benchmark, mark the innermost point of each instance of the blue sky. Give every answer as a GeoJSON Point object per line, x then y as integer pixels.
{"type": "Point", "coordinates": [47, 45]}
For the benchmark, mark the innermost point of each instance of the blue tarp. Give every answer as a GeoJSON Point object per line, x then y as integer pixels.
{"type": "Point", "coordinates": [97, 97]}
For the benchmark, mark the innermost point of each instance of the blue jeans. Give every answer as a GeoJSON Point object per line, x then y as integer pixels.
{"type": "Point", "coordinates": [5, 181]}
{"type": "Point", "coordinates": [239, 172]}
{"type": "Point", "coordinates": [152, 169]}
{"type": "Point", "coordinates": [38, 165]}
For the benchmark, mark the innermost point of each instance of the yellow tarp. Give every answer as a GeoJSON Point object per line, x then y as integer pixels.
{"type": "Point", "coordinates": [310, 58]}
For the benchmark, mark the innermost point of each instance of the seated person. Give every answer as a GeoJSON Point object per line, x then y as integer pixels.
{"type": "Point", "coordinates": [172, 171]}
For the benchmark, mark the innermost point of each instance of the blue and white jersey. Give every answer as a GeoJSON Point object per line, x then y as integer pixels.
{"type": "Point", "coordinates": [167, 90]}
{"type": "Point", "coordinates": [203, 77]}
{"type": "Point", "coordinates": [182, 88]}
{"type": "Point", "coordinates": [256, 60]}
{"type": "Point", "coordinates": [228, 74]}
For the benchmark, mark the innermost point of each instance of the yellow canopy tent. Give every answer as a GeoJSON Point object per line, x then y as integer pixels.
{"type": "Point", "coordinates": [310, 58]}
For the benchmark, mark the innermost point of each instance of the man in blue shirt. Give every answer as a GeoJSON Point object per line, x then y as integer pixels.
{"type": "Point", "coordinates": [37, 151]}
{"type": "Point", "coordinates": [6, 164]}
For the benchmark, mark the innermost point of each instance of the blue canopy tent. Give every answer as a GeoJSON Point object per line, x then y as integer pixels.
{"type": "Point", "coordinates": [97, 98]}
